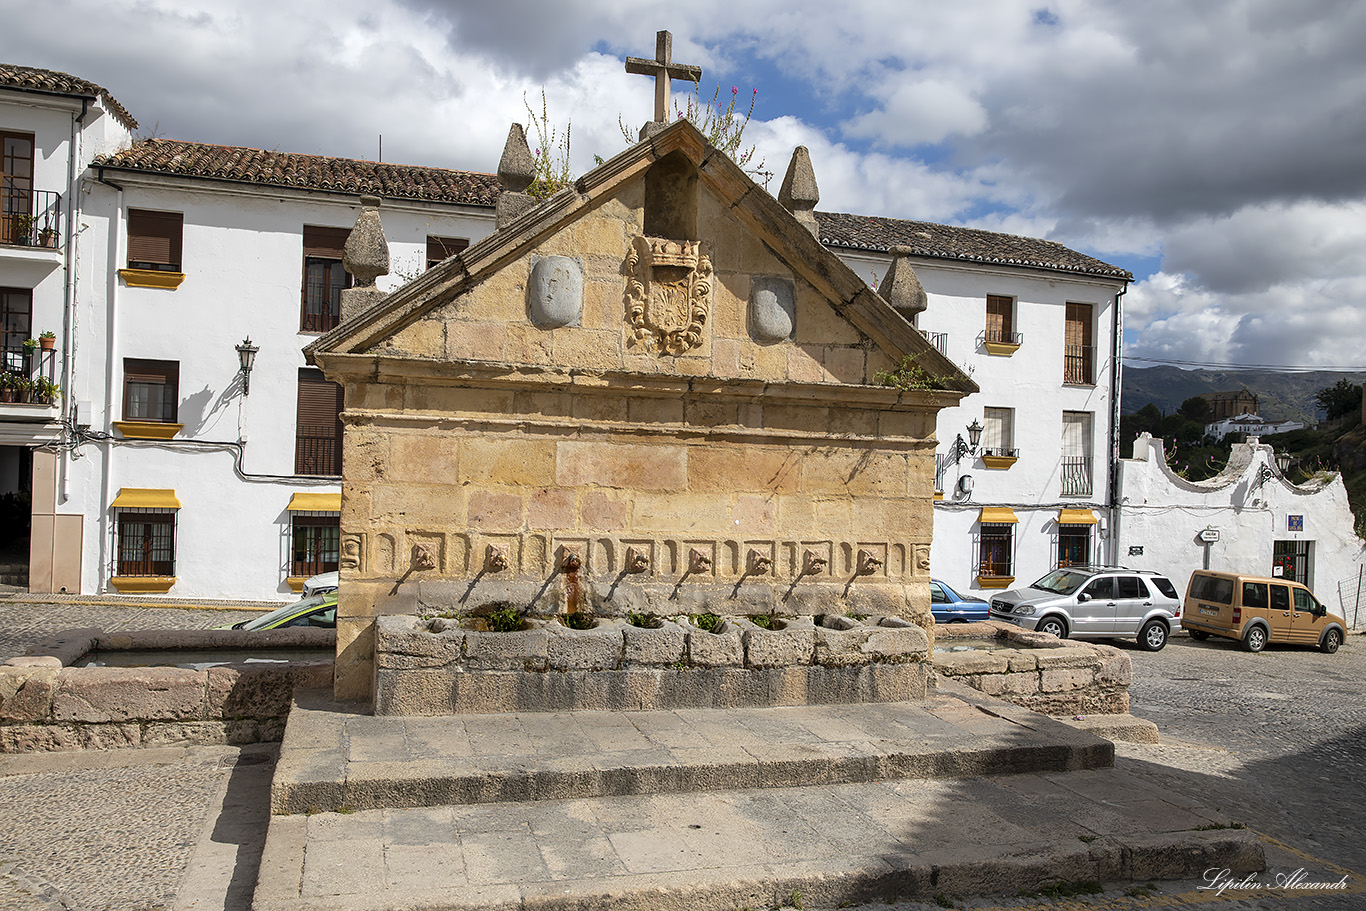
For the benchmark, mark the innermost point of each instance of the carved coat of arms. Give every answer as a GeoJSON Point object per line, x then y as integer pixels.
{"type": "Point", "coordinates": [668, 294]}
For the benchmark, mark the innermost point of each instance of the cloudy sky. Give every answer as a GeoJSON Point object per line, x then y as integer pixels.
{"type": "Point", "coordinates": [1216, 149]}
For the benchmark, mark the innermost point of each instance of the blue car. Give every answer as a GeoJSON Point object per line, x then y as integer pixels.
{"type": "Point", "coordinates": [948, 606]}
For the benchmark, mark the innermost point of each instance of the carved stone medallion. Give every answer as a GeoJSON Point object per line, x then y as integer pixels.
{"type": "Point", "coordinates": [668, 294]}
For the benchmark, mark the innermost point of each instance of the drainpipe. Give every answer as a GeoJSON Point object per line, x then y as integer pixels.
{"type": "Point", "coordinates": [1112, 504]}
{"type": "Point", "coordinates": [111, 311]}
{"type": "Point", "coordinates": [69, 292]}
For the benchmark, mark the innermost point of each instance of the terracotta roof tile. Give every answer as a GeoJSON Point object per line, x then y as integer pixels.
{"type": "Point", "coordinates": [307, 172]}
{"type": "Point", "coordinates": [865, 232]}
{"type": "Point", "coordinates": [28, 77]}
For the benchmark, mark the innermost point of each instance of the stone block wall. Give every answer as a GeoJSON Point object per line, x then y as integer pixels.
{"type": "Point", "coordinates": [1037, 671]}
{"type": "Point", "coordinates": [47, 705]}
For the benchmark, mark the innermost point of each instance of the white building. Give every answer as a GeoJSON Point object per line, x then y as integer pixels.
{"type": "Point", "coordinates": [1036, 325]}
{"type": "Point", "coordinates": [1249, 425]}
{"type": "Point", "coordinates": [173, 476]}
{"type": "Point", "coordinates": [1248, 519]}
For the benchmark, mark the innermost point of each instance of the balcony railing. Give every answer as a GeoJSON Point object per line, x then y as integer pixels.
{"type": "Point", "coordinates": [1000, 453]}
{"type": "Point", "coordinates": [941, 465]}
{"type": "Point", "coordinates": [27, 375]}
{"type": "Point", "coordinates": [317, 450]}
{"type": "Point", "coordinates": [1004, 338]}
{"type": "Point", "coordinates": [1078, 365]}
{"type": "Point", "coordinates": [940, 340]}
{"type": "Point", "coordinates": [30, 218]}
{"type": "Point", "coordinates": [1076, 476]}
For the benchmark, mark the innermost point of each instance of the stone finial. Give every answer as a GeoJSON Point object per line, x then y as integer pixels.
{"type": "Point", "coordinates": [516, 171]}
{"type": "Point", "coordinates": [901, 288]}
{"type": "Point", "coordinates": [366, 254]}
{"type": "Point", "coordinates": [799, 193]}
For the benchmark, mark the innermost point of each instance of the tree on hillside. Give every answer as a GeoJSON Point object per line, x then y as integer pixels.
{"type": "Point", "coordinates": [1197, 409]}
{"type": "Point", "coordinates": [1338, 400]}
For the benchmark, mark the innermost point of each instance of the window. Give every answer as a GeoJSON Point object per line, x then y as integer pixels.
{"type": "Point", "coordinates": [1000, 327]}
{"type": "Point", "coordinates": [1102, 589]}
{"type": "Point", "coordinates": [1075, 469]}
{"type": "Point", "coordinates": [995, 554]}
{"type": "Point", "coordinates": [154, 240]}
{"type": "Point", "coordinates": [16, 325]}
{"type": "Point", "coordinates": [1074, 545]}
{"type": "Point", "coordinates": [324, 278]}
{"type": "Point", "coordinates": [1280, 598]}
{"type": "Point", "coordinates": [998, 433]}
{"type": "Point", "coordinates": [1130, 587]}
{"type": "Point", "coordinates": [1254, 594]}
{"type": "Point", "coordinates": [150, 390]}
{"type": "Point", "coordinates": [316, 543]}
{"type": "Point", "coordinates": [1078, 353]}
{"type": "Point", "coordinates": [146, 543]}
{"type": "Point", "coordinates": [1290, 560]}
{"type": "Point", "coordinates": [318, 429]}
{"type": "Point", "coordinates": [16, 187]}
{"type": "Point", "coordinates": [440, 248]}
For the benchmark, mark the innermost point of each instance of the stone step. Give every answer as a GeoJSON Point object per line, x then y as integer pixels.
{"type": "Point", "coordinates": [820, 846]}
{"type": "Point", "coordinates": [335, 759]}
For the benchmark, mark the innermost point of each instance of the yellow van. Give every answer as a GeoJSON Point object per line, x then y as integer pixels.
{"type": "Point", "coordinates": [1256, 610]}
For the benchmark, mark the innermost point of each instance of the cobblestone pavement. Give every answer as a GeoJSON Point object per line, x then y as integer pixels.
{"type": "Point", "coordinates": [1276, 740]}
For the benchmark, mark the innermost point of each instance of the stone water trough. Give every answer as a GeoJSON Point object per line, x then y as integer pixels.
{"type": "Point", "coordinates": [49, 701]}
{"type": "Point", "coordinates": [439, 665]}
{"type": "Point", "coordinates": [1033, 670]}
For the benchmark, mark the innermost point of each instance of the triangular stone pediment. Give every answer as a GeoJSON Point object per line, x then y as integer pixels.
{"type": "Point", "coordinates": [666, 260]}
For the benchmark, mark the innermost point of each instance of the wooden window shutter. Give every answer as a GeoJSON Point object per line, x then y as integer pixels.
{"type": "Point", "coordinates": [999, 317]}
{"type": "Point", "coordinates": [154, 239]}
{"type": "Point", "coordinates": [325, 242]}
{"type": "Point", "coordinates": [318, 431]}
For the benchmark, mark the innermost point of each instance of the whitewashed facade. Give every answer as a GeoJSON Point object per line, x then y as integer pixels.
{"type": "Point", "coordinates": [1248, 519]}
{"type": "Point", "coordinates": [1049, 502]}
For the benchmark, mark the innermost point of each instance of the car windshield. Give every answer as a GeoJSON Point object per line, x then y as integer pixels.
{"type": "Point", "coordinates": [1061, 581]}
{"type": "Point", "coordinates": [266, 620]}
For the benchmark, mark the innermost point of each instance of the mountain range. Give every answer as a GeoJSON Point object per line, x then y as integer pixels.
{"type": "Point", "coordinates": [1283, 396]}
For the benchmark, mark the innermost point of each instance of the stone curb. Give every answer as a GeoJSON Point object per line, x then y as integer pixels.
{"type": "Point", "coordinates": [950, 871]}
{"type": "Point", "coordinates": [1114, 727]}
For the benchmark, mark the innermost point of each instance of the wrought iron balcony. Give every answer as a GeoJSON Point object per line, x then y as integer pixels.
{"type": "Point", "coordinates": [30, 218]}
{"type": "Point", "coordinates": [317, 450]}
{"type": "Point", "coordinates": [1075, 472]}
{"type": "Point", "coordinates": [27, 375]}
{"type": "Point", "coordinates": [940, 340]}
{"type": "Point", "coordinates": [1078, 365]}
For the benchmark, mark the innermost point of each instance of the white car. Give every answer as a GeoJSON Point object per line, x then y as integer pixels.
{"type": "Point", "coordinates": [323, 582]}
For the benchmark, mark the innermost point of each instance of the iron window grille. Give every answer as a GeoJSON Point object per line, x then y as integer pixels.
{"type": "Point", "coordinates": [996, 551]}
{"type": "Point", "coordinates": [316, 543]}
{"type": "Point", "coordinates": [145, 544]}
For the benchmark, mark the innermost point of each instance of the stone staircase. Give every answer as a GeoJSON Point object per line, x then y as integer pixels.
{"type": "Point", "coordinates": [957, 794]}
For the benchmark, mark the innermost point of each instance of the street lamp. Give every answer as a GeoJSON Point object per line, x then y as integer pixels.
{"type": "Point", "coordinates": [246, 355]}
{"type": "Point", "coordinates": [1283, 461]}
{"type": "Point", "coordinates": [963, 447]}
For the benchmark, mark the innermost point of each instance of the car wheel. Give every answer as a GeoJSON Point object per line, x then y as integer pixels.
{"type": "Point", "coordinates": [1255, 640]}
{"type": "Point", "coordinates": [1152, 636]}
{"type": "Point", "coordinates": [1052, 625]}
{"type": "Point", "coordinates": [1331, 640]}
{"type": "Point", "coordinates": [1199, 635]}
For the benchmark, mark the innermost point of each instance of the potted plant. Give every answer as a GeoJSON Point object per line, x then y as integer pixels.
{"type": "Point", "coordinates": [7, 386]}
{"type": "Point", "coordinates": [47, 237]}
{"type": "Point", "coordinates": [21, 227]}
{"type": "Point", "coordinates": [48, 340]}
{"type": "Point", "coordinates": [30, 345]}
{"type": "Point", "coordinates": [23, 388]}
{"type": "Point", "coordinates": [45, 390]}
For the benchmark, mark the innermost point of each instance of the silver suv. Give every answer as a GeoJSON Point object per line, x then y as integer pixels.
{"type": "Point", "coordinates": [1095, 602]}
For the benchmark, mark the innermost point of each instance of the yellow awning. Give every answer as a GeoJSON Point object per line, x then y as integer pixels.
{"type": "Point", "coordinates": [997, 515]}
{"type": "Point", "coordinates": [1076, 517]}
{"type": "Point", "coordinates": [315, 502]}
{"type": "Point", "coordinates": [145, 498]}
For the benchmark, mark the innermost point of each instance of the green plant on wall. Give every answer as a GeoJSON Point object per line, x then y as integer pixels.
{"type": "Point", "coordinates": [910, 375]}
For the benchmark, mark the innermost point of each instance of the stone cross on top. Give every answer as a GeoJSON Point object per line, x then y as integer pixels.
{"type": "Point", "coordinates": [664, 70]}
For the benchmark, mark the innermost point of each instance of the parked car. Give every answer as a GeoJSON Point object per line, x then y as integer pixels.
{"type": "Point", "coordinates": [317, 610]}
{"type": "Point", "coordinates": [1095, 602]}
{"type": "Point", "coordinates": [1256, 611]}
{"type": "Point", "coordinates": [948, 606]}
{"type": "Point", "coordinates": [321, 583]}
